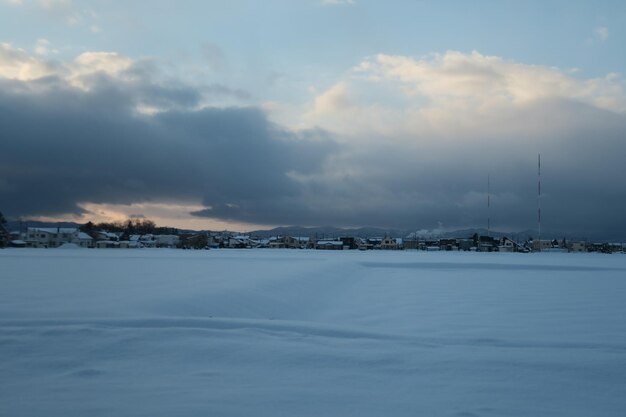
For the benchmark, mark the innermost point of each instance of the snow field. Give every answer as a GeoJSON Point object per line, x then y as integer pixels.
{"type": "Point", "coordinates": [311, 333]}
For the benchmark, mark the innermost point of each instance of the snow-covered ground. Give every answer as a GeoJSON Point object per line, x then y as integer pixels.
{"type": "Point", "coordinates": [305, 333]}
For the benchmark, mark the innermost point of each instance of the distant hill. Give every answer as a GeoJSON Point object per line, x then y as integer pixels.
{"type": "Point", "coordinates": [14, 225]}
{"type": "Point", "coordinates": [332, 232]}
{"type": "Point", "coordinates": [326, 231]}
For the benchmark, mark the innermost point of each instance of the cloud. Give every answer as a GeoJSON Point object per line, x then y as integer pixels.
{"type": "Point", "coordinates": [451, 93]}
{"type": "Point", "coordinates": [395, 142]}
{"type": "Point", "coordinates": [65, 11]}
{"type": "Point", "coordinates": [214, 56]}
{"type": "Point", "coordinates": [424, 133]}
{"type": "Point", "coordinates": [152, 91]}
{"type": "Point", "coordinates": [43, 47]}
{"type": "Point", "coordinates": [337, 2]}
{"type": "Point", "coordinates": [16, 63]}
{"type": "Point", "coordinates": [602, 33]}
{"type": "Point", "coordinates": [74, 138]}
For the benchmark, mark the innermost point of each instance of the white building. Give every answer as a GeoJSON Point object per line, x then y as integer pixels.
{"type": "Point", "coordinates": [53, 237]}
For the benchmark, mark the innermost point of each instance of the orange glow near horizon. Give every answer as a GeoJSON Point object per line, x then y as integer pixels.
{"type": "Point", "coordinates": [163, 214]}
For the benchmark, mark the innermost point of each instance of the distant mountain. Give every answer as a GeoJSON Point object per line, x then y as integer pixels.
{"type": "Point", "coordinates": [326, 232]}
{"type": "Point", "coordinates": [15, 225]}
{"type": "Point", "coordinates": [332, 232]}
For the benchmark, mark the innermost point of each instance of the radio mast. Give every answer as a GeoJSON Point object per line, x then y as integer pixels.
{"type": "Point", "coordinates": [488, 205]}
{"type": "Point", "coordinates": [539, 197]}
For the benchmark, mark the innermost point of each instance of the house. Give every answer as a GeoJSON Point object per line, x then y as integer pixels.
{"type": "Point", "coordinates": [261, 243]}
{"type": "Point", "coordinates": [411, 243]}
{"type": "Point", "coordinates": [107, 244]}
{"type": "Point", "coordinates": [128, 244]}
{"type": "Point", "coordinates": [388, 243]}
{"type": "Point", "coordinates": [576, 246]}
{"type": "Point", "coordinates": [349, 242]}
{"type": "Point", "coordinates": [488, 244]}
{"type": "Point", "coordinates": [196, 241]}
{"type": "Point", "coordinates": [329, 245]}
{"type": "Point", "coordinates": [297, 242]}
{"type": "Point", "coordinates": [374, 242]}
{"type": "Point", "coordinates": [542, 245]}
{"type": "Point", "coordinates": [167, 241]}
{"type": "Point", "coordinates": [466, 244]}
{"type": "Point", "coordinates": [104, 235]}
{"type": "Point", "coordinates": [239, 242]}
{"type": "Point", "coordinates": [448, 244]}
{"type": "Point", "coordinates": [83, 240]}
{"type": "Point", "coordinates": [5, 237]}
{"type": "Point", "coordinates": [16, 241]}
{"type": "Point", "coordinates": [53, 237]}
{"type": "Point", "coordinates": [361, 244]}
{"type": "Point", "coordinates": [148, 241]}
{"type": "Point", "coordinates": [509, 245]}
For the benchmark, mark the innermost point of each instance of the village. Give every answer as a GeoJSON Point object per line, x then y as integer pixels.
{"type": "Point", "coordinates": [74, 237]}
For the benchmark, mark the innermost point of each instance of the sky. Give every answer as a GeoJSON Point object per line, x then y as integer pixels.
{"type": "Point", "coordinates": [243, 115]}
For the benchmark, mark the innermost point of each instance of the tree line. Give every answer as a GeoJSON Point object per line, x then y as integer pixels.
{"type": "Point", "coordinates": [127, 228]}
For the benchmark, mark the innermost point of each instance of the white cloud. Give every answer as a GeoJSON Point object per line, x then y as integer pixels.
{"type": "Point", "coordinates": [17, 64]}
{"type": "Point", "coordinates": [44, 47]}
{"type": "Point", "coordinates": [337, 2]}
{"type": "Point", "coordinates": [602, 33]}
{"type": "Point", "coordinates": [66, 11]}
{"type": "Point", "coordinates": [398, 96]}
{"type": "Point", "coordinates": [157, 89]}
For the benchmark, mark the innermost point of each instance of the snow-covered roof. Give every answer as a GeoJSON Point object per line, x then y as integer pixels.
{"type": "Point", "coordinates": [53, 229]}
{"type": "Point", "coordinates": [330, 242]}
{"type": "Point", "coordinates": [83, 236]}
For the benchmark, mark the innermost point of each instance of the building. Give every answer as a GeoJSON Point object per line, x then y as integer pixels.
{"type": "Point", "coordinates": [576, 246]}
{"type": "Point", "coordinates": [297, 242]}
{"type": "Point", "coordinates": [53, 237]}
{"type": "Point", "coordinates": [448, 244]}
{"type": "Point", "coordinates": [488, 244]}
{"type": "Point", "coordinates": [389, 243]}
{"type": "Point", "coordinates": [329, 245]}
{"type": "Point", "coordinates": [509, 245]}
{"type": "Point", "coordinates": [167, 241]}
{"type": "Point", "coordinates": [239, 242]}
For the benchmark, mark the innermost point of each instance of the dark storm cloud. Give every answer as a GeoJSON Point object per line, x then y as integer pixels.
{"type": "Point", "coordinates": [432, 185]}
{"type": "Point", "coordinates": [62, 146]}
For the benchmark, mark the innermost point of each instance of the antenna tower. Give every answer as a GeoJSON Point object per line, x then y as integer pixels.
{"type": "Point", "coordinates": [539, 197]}
{"type": "Point", "coordinates": [488, 205]}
